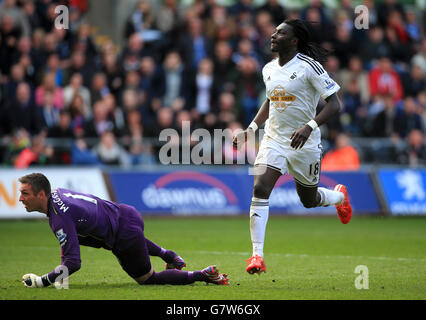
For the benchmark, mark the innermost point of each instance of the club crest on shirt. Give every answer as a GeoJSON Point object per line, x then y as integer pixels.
{"type": "Point", "coordinates": [279, 99]}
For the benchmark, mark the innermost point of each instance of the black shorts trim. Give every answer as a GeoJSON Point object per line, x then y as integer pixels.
{"type": "Point", "coordinates": [269, 166]}
{"type": "Point", "coordinates": [306, 185]}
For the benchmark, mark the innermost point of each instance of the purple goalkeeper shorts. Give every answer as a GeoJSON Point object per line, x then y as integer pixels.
{"type": "Point", "coordinates": [130, 247]}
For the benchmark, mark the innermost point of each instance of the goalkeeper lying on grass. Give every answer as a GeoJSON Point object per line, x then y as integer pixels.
{"type": "Point", "coordinates": [82, 219]}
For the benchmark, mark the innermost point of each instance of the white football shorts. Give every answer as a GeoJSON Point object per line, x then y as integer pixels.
{"type": "Point", "coordinates": [303, 164]}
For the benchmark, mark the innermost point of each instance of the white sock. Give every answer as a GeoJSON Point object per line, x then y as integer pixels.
{"type": "Point", "coordinates": [259, 213]}
{"type": "Point", "coordinates": [330, 197]}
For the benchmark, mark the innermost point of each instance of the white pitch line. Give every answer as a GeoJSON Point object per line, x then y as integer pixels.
{"type": "Point", "coordinates": [289, 255]}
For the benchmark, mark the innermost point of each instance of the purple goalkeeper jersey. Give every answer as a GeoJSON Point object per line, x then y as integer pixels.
{"type": "Point", "coordinates": [81, 219]}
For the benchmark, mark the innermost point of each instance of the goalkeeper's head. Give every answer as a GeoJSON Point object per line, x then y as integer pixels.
{"type": "Point", "coordinates": [35, 191]}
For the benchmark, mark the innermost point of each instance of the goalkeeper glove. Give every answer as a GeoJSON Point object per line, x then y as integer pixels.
{"type": "Point", "coordinates": [32, 280]}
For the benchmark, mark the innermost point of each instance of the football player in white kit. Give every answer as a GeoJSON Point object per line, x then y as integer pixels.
{"type": "Point", "coordinates": [294, 82]}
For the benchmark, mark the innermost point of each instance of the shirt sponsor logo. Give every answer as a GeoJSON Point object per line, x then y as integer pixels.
{"type": "Point", "coordinates": [280, 99]}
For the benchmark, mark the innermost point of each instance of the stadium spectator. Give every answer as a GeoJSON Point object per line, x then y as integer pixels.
{"type": "Point", "coordinates": [109, 151]}
{"type": "Point", "coordinates": [205, 91]}
{"type": "Point", "coordinates": [407, 119]}
{"type": "Point", "coordinates": [37, 54]}
{"type": "Point", "coordinates": [354, 113]}
{"type": "Point", "coordinates": [63, 129]}
{"type": "Point", "coordinates": [194, 46]}
{"type": "Point", "coordinates": [29, 9]}
{"type": "Point", "coordinates": [142, 21]}
{"type": "Point", "coordinates": [275, 10]}
{"type": "Point", "coordinates": [101, 121]}
{"type": "Point", "coordinates": [151, 86]}
{"type": "Point", "coordinates": [265, 28]}
{"type": "Point", "coordinates": [414, 154]}
{"type": "Point", "coordinates": [374, 47]}
{"type": "Point", "coordinates": [248, 84]}
{"type": "Point", "coordinates": [82, 41]}
{"type": "Point", "coordinates": [9, 35]}
{"type": "Point", "coordinates": [398, 51]}
{"type": "Point", "coordinates": [21, 113]}
{"type": "Point", "coordinates": [167, 20]}
{"type": "Point", "coordinates": [219, 26]}
{"type": "Point", "coordinates": [355, 72]}
{"type": "Point", "coordinates": [419, 58]}
{"type": "Point", "coordinates": [49, 86]}
{"type": "Point", "coordinates": [133, 140]}
{"type": "Point", "coordinates": [115, 113]}
{"type": "Point", "coordinates": [19, 19]}
{"type": "Point", "coordinates": [78, 115]}
{"type": "Point", "coordinates": [344, 44]}
{"type": "Point", "coordinates": [414, 82]}
{"type": "Point", "coordinates": [48, 111]}
{"type": "Point", "coordinates": [385, 8]}
{"type": "Point", "coordinates": [79, 64]}
{"type": "Point", "coordinates": [81, 154]}
{"type": "Point", "coordinates": [17, 75]}
{"type": "Point", "coordinates": [228, 110]}
{"type": "Point", "coordinates": [74, 88]}
{"type": "Point", "coordinates": [36, 154]}
{"type": "Point", "coordinates": [245, 49]}
{"type": "Point", "coordinates": [133, 52]}
{"type": "Point", "coordinates": [224, 66]}
{"type": "Point", "coordinates": [372, 12]}
{"type": "Point", "coordinates": [343, 157]}
{"type": "Point", "coordinates": [63, 38]}
{"type": "Point", "coordinates": [99, 87]}
{"type": "Point", "coordinates": [113, 72]}
{"type": "Point", "coordinates": [384, 122]}
{"type": "Point", "coordinates": [383, 79]}
{"type": "Point", "coordinates": [413, 26]}
{"type": "Point", "coordinates": [20, 139]}
{"type": "Point", "coordinates": [177, 82]}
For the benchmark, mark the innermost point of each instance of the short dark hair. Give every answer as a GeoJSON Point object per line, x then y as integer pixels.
{"type": "Point", "coordinates": [37, 181]}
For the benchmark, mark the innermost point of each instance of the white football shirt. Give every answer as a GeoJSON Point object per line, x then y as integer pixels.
{"type": "Point", "coordinates": [294, 90]}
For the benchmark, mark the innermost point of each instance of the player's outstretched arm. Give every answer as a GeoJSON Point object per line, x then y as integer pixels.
{"type": "Point", "coordinates": [260, 118]}
{"type": "Point", "coordinates": [331, 108]}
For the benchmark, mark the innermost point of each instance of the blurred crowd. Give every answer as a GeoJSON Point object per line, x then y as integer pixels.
{"type": "Point", "coordinates": [201, 63]}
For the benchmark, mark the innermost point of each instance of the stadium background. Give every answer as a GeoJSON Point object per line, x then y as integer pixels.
{"type": "Point", "coordinates": [85, 105]}
{"type": "Point", "coordinates": [98, 94]}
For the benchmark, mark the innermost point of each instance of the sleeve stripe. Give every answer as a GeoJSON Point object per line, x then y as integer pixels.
{"type": "Point", "coordinates": [314, 66]}
{"type": "Point", "coordinates": [313, 61]}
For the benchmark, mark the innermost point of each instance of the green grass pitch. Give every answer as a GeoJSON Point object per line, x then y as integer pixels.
{"type": "Point", "coordinates": [306, 258]}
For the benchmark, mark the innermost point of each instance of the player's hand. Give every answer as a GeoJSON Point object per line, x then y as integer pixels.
{"type": "Point", "coordinates": [300, 136]}
{"type": "Point", "coordinates": [239, 139]}
{"type": "Point", "coordinates": [31, 280]}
